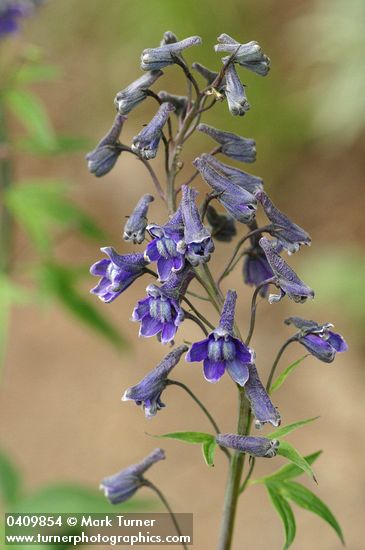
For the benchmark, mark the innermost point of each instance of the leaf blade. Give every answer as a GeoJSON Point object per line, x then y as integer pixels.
{"type": "Point", "coordinates": [290, 452]}
{"type": "Point", "coordinates": [286, 514]}
{"type": "Point", "coordinates": [285, 430]}
{"type": "Point", "coordinates": [289, 471]}
{"type": "Point", "coordinates": [208, 449]}
{"type": "Point", "coordinates": [283, 376]}
{"type": "Point", "coordinates": [189, 437]}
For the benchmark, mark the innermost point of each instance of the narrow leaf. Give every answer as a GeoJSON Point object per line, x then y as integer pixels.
{"type": "Point", "coordinates": [280, 432]}
{"type": "Point", "coordinates": [289, 451]}
{"type": "Point", "coordinates": [287, 472]}
{"type": "Point", "coordinates": [286, 514]}
{"type": "Point", "coordinates": [9, 481]}
{"type": "Point", "coordinates": [208, 448]}
{"type": "Point", "coordinates": [283, 376]}
{"type": "Point", "coordinates": [190, 437]}
{"type": "Point", "coordinates": [304, 498]}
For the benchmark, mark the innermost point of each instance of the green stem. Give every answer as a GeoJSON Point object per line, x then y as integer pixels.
{"type": "Point", "coordinates": [6, 222]}
{"type": "Point", "coordinates": [253, 309]}
{"type": "Point", "coordinates": [248, 475]}
{"type": "Point", "coordinates": [277, 359]}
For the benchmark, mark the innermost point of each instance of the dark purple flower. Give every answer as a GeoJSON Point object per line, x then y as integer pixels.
{"type": "Point", "coordinates": [160, 312]}
{"type": "Point", "coordinates": [233, 146]}
{"type": "Point", "coordinates": [318, 339]}
{"type": "Point", "coordinates": [122, 486]}
{"type": "Point", "coordinates": [239, 203]}
{"type": "Point", "coordinates": [103, 158]}
{"type": "Point", "coordinates": [147, 141]}
{"type": "Point", "coordinates": [157, 58]}
{"type": "Point", "coordinates": [261, 405]}
{"type": "Point", "coordinates": [197, 239]}
{"type": "Point", "coordinates": [248, 55]}
{"type": "Point", "coordinates": [11, 13]}
{"type": "Point", "coordinates": [165, 249]}
{"type": "Point", "coordinates": [284, 277]}
{"type": "Point", "coordinates": [135, 93]}
{"type": "Point", "coordinates": [135, 228]}
{"type": "Point", "coordinates": [222, 227]}
{"type": "Point", "coordinates": [117, 273]}
{"type": "Point", "coordinates": [254, 446]}
{"type": "Point", "coordinates": [235, 92]}
{"type": "Point", "coordinates": [168, 38]}
{"type": "Point", "coordinates": [256, 269]}
{"type": "Point", "coordinates": [180, 102]}
{"type": "Point", "coordinates": [289, 235]}
{"type": "Point", "coordinates": [148, 391]}
{"type": "Point", "coordinates": [246, 181]}
{"type": "Point", "coordinates": [221, 351]}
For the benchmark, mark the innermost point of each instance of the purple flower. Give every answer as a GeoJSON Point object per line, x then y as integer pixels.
{"type": "Point", "coordinates": [135, 228]}
{"type": "Point", "coordinates": [261, 405]}
{"type": "Point", "coordinates": [157, 58]}
{"type": "Point", "coordinates": [210, 76]}
{"type": "Point", "coordinates": [318, 339]}
{"type": "Point", "coordinates": [122, 486]}
{"type": "Point", "coordinates": [240, 204]}
{"type": "Point", "coordinates": [235, 92]}
{"type": "Point", "coordinates": [168, 38]}
{"type": "Point", "coordinates": [284, 277]}
{"type": "Point", "coordinates": [222, 227]}
{"type": "Point", "coordinates": [221, 351]}
{"type": "Point", "coordinates": [180, 102]}
{"type": "Point", "coordinates": [11, 12]}
{"type": "Point", "coordinates": [246, 181]}
{"type": "Point", "coordinates": [117, 273]}
{"type": "Point", "coordinates": [233, 146]}
{"type": "Point", "coordinates": [165, 248]}
{"type": "Point", "coordinates": [256, 268]}
{"type": "Point", "coordinates": [160, 312]}
{"type": "Point", "coordinates": [147, 141]}
{"type": "Point", "coordinates": [248, 55]}
{"type": "Point", "coordinates": [103, 158]}
{"type": "Point", "coordinates": [254, 446]}
{"type": "Point", "coordinates": [135, 93]}
{"type": "Point", "coordinates": [148, 391]}
{"type": "Point", "coordinates": [289, 235]}
{"type": "Point", "coordinates": [197, 239]}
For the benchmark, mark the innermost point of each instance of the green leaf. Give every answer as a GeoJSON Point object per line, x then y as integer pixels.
{"type": "Point", "coordinates": [287, 472]}
{"type": "Point", "coordinates": [286, 514]}
{"type": "Point", "coordinates": [190, 437]}
{"type": "Point", "coordinates": [289, 451]}
{"type": "Point", "coordinates": [59, 282]}
{"type": "Point", "coordinates": [63, 144]}
{"type": "Point", "coordinates": [43, 206]}
{"type": "Point", "coordinates": [34, 72]}
{"type": "Point", "coordinates": [284, 430]}
{"type": "Point", "coordinates": [32, 115]}
{"type": "Point", "coordinates": [9, 481]}
{"type": "Point", "coordinates": [209, 448]}
{"type": "Point", "coordinates": [304, 498]}
{"type": "Point", "coordinates": [283, 376]}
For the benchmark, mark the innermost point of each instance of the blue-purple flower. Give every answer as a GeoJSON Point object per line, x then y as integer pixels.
{"type": "Point", "coordinates": [122, 486]}
{"type": "Point", "coordinates": [148, 391]}
{"type": "Point", "coordinates": [247, 182]}
{"type": "Point", "coordinates": [287, 233]}
{"type": "Point", "coordinates": [147, 141]}
{"type": "Point", "coordinates": [221, 351]}
{"type": "Point", "coordinates": [240, 204]}
{"type": "Point", "coordinates": [135, 227]}
{"type": "Point", "coordinates": [198, 242]}
{"type": "Point", "coordinates": [259, 447]}
{"type": "Point", "coordinates": [180, 102]}
{"type": "Point", "coordinates": [248, 55]}
{"type": "Point", "coordinates": [157, 58]}
{"type": "Point", "coordinates": [207, 74]}
{"type": "Point", "coordinates": [135, 93]}
{"type": "Point", "coordinates": [11, 13]}
{"type": "Point", "coordinates": [318, 339]}
{"type": "Point", "coordinates": [261, 405]}
{"type": "Point", "coordinates": [285, 278]}
{"type": "Point", "coordinates": [222, 227]}
{"type": "Point", "coordinates": [256, 268]}
{"type": "Point", "coordinates": [233, 146]}
{"type": "Point", "coordinates": [160, 312]}
{"type": "Point", "coordinates": [235, 92]}
{"type": "Point", "coordinates": [103, 158]}
{"type": "Point", "coordinates": [165, 248]}
{"type": "Point", "coordinates": [116, 273]}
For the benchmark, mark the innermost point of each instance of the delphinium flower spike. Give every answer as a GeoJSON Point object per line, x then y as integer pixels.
{"type": "Point", "coordinates": [135, 227]}
{"type": "Point", "coordinates": [148, 391]}
{"type": "Point", "coordinates": [259, 447]}
{"type": "Point", "coordinates": [135, 93]}
{"type": "Point", "coordinates": [147, 141]}
{"type": "Point", "coordinates": [197, 239]}
{"type": "Point", "coordinates": [103, 158]}
{"type": "Point", "coordinates": [157, 58]}
{"type": "Point", "coordinates": [233, 146]}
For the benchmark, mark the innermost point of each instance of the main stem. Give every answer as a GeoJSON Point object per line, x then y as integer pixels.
{"type": "Point", "coordinates": [234, 478]}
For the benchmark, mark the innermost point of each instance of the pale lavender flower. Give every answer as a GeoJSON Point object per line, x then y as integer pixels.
{"type": "Point", "coordinates": [135, 93]}
{"type": "Point", "coordinates": [198, 242]}
{"type": "Point", "coordinates": [261, 405]}
{"type": "Point", "coordinates": [254, 446]}
{"type": "Point", "coordinates": [247, 182]}
{"type": "Point", "coordinates": [103, 158]}
{"type": "Point", "coordinates": [256, 268]}
{"type": "Point", "coordinates": [157, 58]}
{"type": "Point", "coordinates": [147, 141]}
{"type": "Point", "coordinates": [180, 102]}
{"type": "Point", "coordinates": [248, 55]}
{"type": "Point", "coordinates": [148, 391]}
{"type": "Point", "coordinates": [122, 486]}
{"type": "Point", "coordinates": [233, 146]}
{"type": "Point", "coordinates": [135, 227]}
{"type": "Point", "coordinates": [235, 92]}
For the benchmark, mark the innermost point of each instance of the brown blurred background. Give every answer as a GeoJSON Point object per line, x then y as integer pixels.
{"type": "Point", "coordinates": [62, 419]}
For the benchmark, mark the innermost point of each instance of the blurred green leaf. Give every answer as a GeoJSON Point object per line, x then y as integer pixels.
{"type": "Point", "coordinates": [35, 72]}
{"type": "Point", "coordinates": [62, 145]}
{"type": "Point", "coordinates": [289, 451]}
{"type": "Point", "coordinates": [10, 481]}
{"type": "Point", "coordinates": [41, 206]}
{"type": "Point", "coordinates": [287, 472]}
{"type": "Point", "coordinates": [32, 115]}
{"type": "Point", "coordinates": [304, 498]}
{"type": "Point", "coordinates": [59, 282]}
{"type": "Point", "coordinates": [283, 376]}
{"type": "Point", "coordinates": [285, 430]}
{"type": "Point", "coordinates": [285, 512]}
{"type": "Point", "coordinates": [209, 448]}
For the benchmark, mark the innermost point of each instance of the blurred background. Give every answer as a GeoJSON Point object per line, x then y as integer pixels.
{"type": "Point", "coordinates": [66, 361]}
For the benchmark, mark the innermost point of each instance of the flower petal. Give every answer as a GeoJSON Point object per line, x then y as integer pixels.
{"type": "Point", "coordinates": [337, 342]}
{"type": "Point", "coordinates": [150, 326]}
{"type": "Point", "coordinates": [238, 371]}
{"type": "Point", "coordinates": [198, 351]}
{"type": "Point", "coordinates": [213, 370]}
